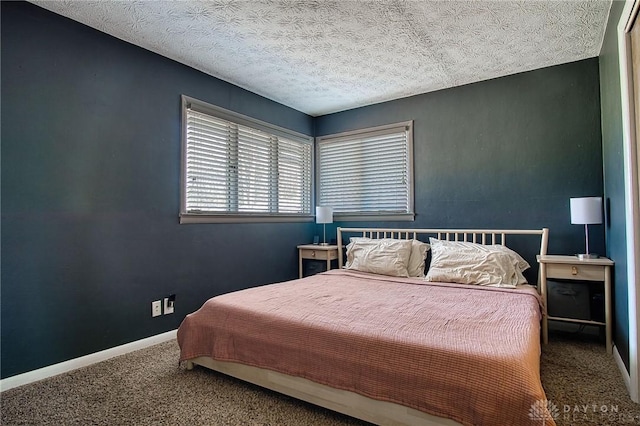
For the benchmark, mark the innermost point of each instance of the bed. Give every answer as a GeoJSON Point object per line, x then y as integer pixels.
{"type": "Point", "coordinates": [389, 348]}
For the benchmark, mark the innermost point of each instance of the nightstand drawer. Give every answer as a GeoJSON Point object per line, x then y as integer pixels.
{"type": "Point", "coordinates": [575, 271]}
{"type": "Point", "coordinates": [317, 254]}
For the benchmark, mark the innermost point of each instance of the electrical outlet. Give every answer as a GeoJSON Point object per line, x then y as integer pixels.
{"type": "Point", "coordinates": [156, 308]}
{"type": "Point", "coordinates": [169, 305]}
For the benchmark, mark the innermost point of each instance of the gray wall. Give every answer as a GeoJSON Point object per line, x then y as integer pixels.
{"type": "Point", "coordinates": [90, 193]}
{"type": "Point", "coordinates": [614, 183]}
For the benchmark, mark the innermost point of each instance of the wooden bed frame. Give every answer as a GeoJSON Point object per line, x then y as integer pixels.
{"type": "Point", "coordinates": [480, 236]}
{"type": "Point", "coordinates": [351, 403]}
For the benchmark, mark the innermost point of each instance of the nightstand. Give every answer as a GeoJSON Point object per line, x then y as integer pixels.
{"type": "Point", "coordinates": [316, 252]}
{"type": "Point", "coordinates": [572, 268]}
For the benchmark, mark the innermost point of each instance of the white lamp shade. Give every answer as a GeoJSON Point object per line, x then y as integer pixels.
{"type": "Point", "coordinates": [324, 214]}
{"type": "Point", "coordinates": [586, 210]}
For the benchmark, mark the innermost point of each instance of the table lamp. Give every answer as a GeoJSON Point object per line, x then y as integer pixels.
{"type": "Point", "coordinates": [586, 211]}
{"type": "Point", "coordinates": [324, 215]}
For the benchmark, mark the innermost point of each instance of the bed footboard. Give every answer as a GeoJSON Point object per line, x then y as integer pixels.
{"type": "Point", "coordinates": [342, 401]}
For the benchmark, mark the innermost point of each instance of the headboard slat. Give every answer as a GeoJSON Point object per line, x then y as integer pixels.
{"type": "Point", "coordinates": [447, 234]}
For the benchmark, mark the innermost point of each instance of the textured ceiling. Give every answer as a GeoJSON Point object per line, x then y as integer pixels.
{"type": "Point", "coordinates": [326, 56]}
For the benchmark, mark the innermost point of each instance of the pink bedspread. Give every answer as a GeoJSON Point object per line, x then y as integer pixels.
{"type": "Point", "coordinates": [462, 352]}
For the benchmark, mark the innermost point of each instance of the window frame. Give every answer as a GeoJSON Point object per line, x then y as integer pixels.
{"type": "Point", "coordinates": [243, 120]}
{"type": "Point", "coordinates": [377, 130]}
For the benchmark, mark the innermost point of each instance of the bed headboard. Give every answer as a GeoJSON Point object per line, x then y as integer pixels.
{"type": "Point", "coordinates": [480, 236]}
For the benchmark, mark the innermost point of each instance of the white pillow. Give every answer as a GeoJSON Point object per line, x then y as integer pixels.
{"type": "Point", "coordinates": [384, 256]}
{"type": "Point", "coordinates": [470, 263]}
{"type": "Point", "coordinates": [416, 263]}
{"type": "Point", "coordinates": [521, 265]}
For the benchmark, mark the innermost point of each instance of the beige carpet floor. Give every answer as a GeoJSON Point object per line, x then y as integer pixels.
{"type": "Point", "coordinates": [148, 387]}
{"type": "Point", "coordinates": [584, 383]}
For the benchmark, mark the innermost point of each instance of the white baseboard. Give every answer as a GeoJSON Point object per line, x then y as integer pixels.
{"type": "Point", "coordinates": [623, 370]}
{"type": "Point", "coordinates": [84, 361]}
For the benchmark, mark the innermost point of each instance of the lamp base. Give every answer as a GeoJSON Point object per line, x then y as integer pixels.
{"type": "Point", "coordinates": [584, 256]}
{"type": "Point", "coordinates": [324, 244]}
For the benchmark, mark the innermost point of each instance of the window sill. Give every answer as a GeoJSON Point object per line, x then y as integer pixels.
{"type": "Point", "coordinates": [186, 218]}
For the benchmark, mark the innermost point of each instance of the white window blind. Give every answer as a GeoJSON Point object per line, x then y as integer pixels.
{"type": "Point", "coordinates": [367, 172]}
{"type": "Point", "coordinates": [232, 168]}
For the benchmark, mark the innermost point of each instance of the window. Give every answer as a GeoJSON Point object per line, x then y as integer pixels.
{"type": "Point", "coordinates": [239, 169]}
{"type": "Point", "coordinates": [367, 174]}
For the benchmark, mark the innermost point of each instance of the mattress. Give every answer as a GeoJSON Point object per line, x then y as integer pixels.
{"type": "Point", "coordinates": [462, 352]}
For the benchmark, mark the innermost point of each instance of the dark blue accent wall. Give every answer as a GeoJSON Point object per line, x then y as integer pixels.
{"type": "Point", "coordinates": [614, 180]}
{"type": "Point", "coordinates": [503, 153]}
{"type": "Point", "coordinates": [91, 193]}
